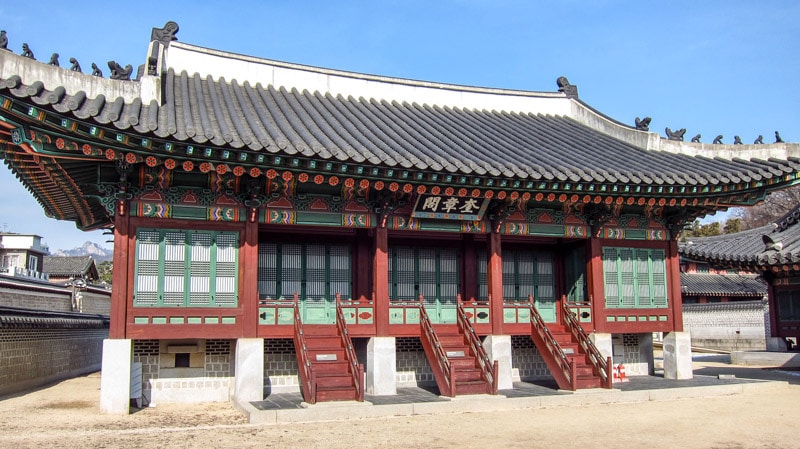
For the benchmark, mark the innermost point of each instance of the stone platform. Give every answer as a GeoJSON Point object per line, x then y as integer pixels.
{"type": "Point", "coordinates": [286, 408]}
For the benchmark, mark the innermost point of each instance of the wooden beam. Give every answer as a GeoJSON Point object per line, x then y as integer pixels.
{"type": "Point", "coordinates": [122, 289]}
{"type": "Point", "coordinates": [362, 266]}
{"type": "Point", "coordinates": [380, 281]}
{"type": "Point", "coordinates": [674, 288]}
{"type": "Point", "coordinates": [469, 268]}
{"type": "Point", "coordinates": [248, 283]}
{"type": "Point", "coordinates": [595, 286]}
{"type": "Point", "coordinates": [494, 280]}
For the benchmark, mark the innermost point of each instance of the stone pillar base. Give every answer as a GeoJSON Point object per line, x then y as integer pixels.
{"type": "Point", "coordinates": [249, 370]}
{"type": "Point", "coordinates": [603, 343]}
{"type": "Point", "coordinates": [381, 369]}
{"type": "Point", "coordinates": [776, 344]}
{"type": "Point", "coordinates": [678, 355]}
{"type": "Point", "coordinates": [498, 348]}
{"type": "Point", "coordinates": [115, 377]}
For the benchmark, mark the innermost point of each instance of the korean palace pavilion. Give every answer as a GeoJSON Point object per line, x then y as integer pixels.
{"type": "Point", "coordinates": [283, 228]}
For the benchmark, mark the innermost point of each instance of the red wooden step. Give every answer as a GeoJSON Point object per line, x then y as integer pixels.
{"type": "Point", "coordinates": [462, 362]}
{"type": "Point", "coordinates": [336, 394]}
{"type": "Point", "coordinates": [334, 380]}
{"type": "Point", "coordinates": [323, 341]}
{"type": "Point", "coordinates": [326, 355]}
{"type": "Point", "coordinates": [471, 387]}
{"type": "Point", "coordinates": [468, 375]}
{"type": "Point", "coordinates": [451, 340]}
{"type": "Point", "coordinates": [320, 329]}
{"type": "Point", "coordinates": [589, 382]}
{"type": "Point", "coordinates": [339, 366]}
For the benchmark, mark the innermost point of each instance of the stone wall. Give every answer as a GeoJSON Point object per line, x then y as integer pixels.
{"type": "Point", "coordinates": [280, 367]}
{"type": "Point", "coordinates": [413, 368]}
{"type": "Point", "coordinates": [635, 352]}
{"type": "Point", "coordinates": [728, 326]}
{"type": "Point", "coordinates": [162, 382]}
{"type": "Point", "coordinates": [45, 349]}
{"type": "Point", "coordinates": [526, 362]}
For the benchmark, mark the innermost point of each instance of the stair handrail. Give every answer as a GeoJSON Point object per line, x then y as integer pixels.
{"type": "Point", "coordinates": [563, 364]}
{"type": "Point", "coordinates": [427, 335]}
{"type": "Point", "coordinates": [488, 369]}
{"type": "Point", "coordinates": [308, 378]}
{"type": "Point", "coordinates": [602, 365]}
{"type": "Point", "coordinates": [356, 369]}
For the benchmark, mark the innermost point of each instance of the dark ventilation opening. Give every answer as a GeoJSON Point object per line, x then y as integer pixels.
{"type": "Point", "coordinates": [182, 360]}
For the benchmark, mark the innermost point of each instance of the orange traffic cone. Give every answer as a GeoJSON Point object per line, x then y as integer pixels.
{"type": "Point", "coordinates": [621, 369]}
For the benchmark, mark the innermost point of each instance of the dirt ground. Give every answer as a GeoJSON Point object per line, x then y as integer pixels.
{"type": "Point", "coordinates": [66, 415]}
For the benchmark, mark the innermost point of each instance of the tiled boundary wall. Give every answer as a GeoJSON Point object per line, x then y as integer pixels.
{"type": "Point", "coordinates": [207, 378]}
{"type": "Point", "coordinates": [728, 326]}
{"type": "Point", "coordinates": [42, 296]}
{"type": "Point", "coordinates": [37, 348]}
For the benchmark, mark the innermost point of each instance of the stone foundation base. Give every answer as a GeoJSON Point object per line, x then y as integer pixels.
{"type": "Point", "coordinates": [190, 390]}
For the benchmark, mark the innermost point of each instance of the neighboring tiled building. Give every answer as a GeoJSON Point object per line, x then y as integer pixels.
{"type": "Point", "coordinates": [702, 288]}
{"type": "Point", "coordinates": [772, 251]}
{"type": "Point", "coordinates": [61, 269]}
{"type": "Point", "coordinates": [725, 311]}
{"type": "Point", "coordinates": [248, 196]}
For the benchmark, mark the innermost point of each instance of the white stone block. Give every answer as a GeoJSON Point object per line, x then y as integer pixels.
{"type": "Point", "coordinates": [249, 371]}
{"type": "Point", "coordinates": [381, 369]}
{"type": "Point", "coordinates": [678, 355]}
{"type": "Point", "coordinates": [498, 348]}
{"type": "Point", "coordinates": [115, 377]}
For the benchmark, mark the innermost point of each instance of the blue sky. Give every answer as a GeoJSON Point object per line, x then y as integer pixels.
{"type": "Point", "coordinates": [712, 67]}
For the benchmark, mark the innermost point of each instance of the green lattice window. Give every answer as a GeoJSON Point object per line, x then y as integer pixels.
{"type": "Point", "coordinates": [316, 272]}
{"type": "Point", "coordinates": [525, 272]}
{"type": "Point", "coordinates": [635, 277]}
{"type": "Point", "coordinates": [575, 274]}
{"type": "Point", "coordinates": [185, 268]}
{"type": "Point", "coordinates": [788, 305]}
{"type": "Point", "coordinates": [432, 272]}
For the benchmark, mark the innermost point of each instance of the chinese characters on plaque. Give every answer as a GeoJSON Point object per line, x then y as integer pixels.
{"type": "Point", "coordinates": [450, 207]}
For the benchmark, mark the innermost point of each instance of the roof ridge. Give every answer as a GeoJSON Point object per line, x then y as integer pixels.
{"type": "Point", "coordinates": [791, 218]}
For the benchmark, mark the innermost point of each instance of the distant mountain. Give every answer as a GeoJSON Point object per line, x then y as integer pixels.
{"type": "Point", "coordinates": [97, 252]}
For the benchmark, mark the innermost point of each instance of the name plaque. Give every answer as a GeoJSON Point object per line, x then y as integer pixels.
{"type": "Point", "coordinates": [450, 207]}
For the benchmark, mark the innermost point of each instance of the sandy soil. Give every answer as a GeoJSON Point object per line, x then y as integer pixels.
{"type": "Point", "coordinates": [66, 415]}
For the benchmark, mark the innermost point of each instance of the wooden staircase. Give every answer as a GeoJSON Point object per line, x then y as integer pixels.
{"type": "Point", "coordinates": [459, 364]}
{"type": "Point", "coordinates": [573, 360]}
{"type": "Point", "coordinates": [329, 370]}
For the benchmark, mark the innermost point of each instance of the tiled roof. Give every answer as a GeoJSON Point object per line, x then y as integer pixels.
{"type": "Point", "coordinates": [771, 245]}
{"type": "Point", "coordinates": [68, 265]}
{"type": "Point", "coordinates": [224, 103]}
{"type": "Point", "coordinates": [425, 136]}
{"type": "Point", "coordinates": [704, 284]}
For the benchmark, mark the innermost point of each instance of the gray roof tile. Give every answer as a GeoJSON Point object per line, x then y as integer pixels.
{"type": "Point", "coordinates": [705, 284]}
{"type": "Point", "coordinates": [392, 133]}
{"type": "Point", "coordinates": [749, 248]}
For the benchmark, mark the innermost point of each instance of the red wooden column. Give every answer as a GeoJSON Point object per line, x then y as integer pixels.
{"type": "Point", "coordinates": [122, 278]}
{"type": "Point", "coordinates": [363, 265]}
{"type": "Point", "coordinates": [674, 290]}
{"type": "Point", "coordinates": [380, 281]}
{"type": "Point", "coordinates": [494, 280]}
{"type": "Point", "coordinates": [249, 282]}
{"type": "Point", "coordinates": [596, 288]}
{"type": "Point", "coordinates": [470, 268]}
